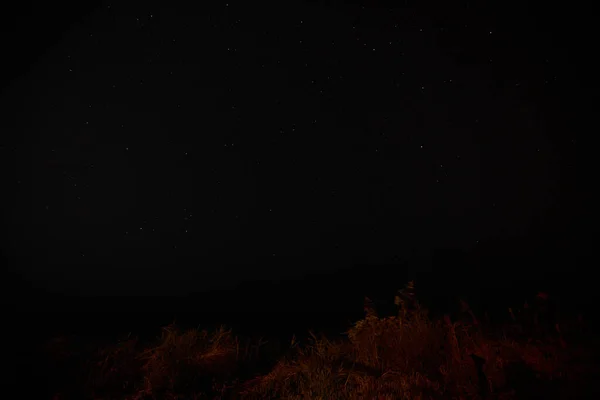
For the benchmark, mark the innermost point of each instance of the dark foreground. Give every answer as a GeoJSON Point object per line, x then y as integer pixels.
{"type": "Point", "coordinates": [281, 343]}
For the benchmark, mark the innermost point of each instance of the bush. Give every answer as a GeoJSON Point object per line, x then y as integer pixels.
{"type": "Point", "coordinates": [407, 355]}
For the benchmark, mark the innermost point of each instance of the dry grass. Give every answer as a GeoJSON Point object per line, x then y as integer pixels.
{"type": "Point", "coordinates": [405, 356]}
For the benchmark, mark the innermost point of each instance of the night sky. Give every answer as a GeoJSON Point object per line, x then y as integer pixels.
{"type": "Point", "coordinates": [166, 148]}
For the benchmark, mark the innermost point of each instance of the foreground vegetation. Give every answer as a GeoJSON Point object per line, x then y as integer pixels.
{"type": "Point", "coordinates": [407, 355]}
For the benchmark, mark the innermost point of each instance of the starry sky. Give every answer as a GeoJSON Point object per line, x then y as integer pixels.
{"type": "Point", "coordinates": [189, 147]}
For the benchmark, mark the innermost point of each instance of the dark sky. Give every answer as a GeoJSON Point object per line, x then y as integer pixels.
{"type": "Point", "coordinates": [179, 146]}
